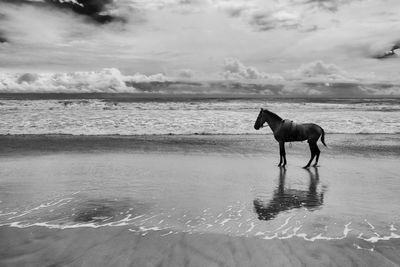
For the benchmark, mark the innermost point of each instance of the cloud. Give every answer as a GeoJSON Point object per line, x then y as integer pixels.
{"type": "Point", "coordinates": [142, 78]}
{"type": "Point", "coordinates": [330, 5]}
{"type": "Point", "coordinates": [99, 11]}
{"type": "Point", "coordinates": [390, 53]}
{"type": "Point", "coordinates": [320, 71]}
{"type": "Point", "coordinates": [236, 70]}
{"type": "Point", "coordinates": [20, 24]}
{"type": "Point", "coordinates": [260, 16]}
{"type": "Point", "coordinates": [273, 36]}
{"type": "Point", "coordinates": [265, 21]}
{"type": "Point", "coordinates": [316, 78]}
{"type": "Point", "coordinates": [185, 73]}
{"type": "Point", "coordinates": [3, 39]}
{"type": "Point", "coordinates": [284, 14]}
{"type": "Point", "coordinates": [104, 81]}
{"type": "Point", "coordinates": [312, 72]}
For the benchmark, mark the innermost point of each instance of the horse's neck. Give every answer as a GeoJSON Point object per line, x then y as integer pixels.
{"type": "Point", "coordinates": [273, 123]}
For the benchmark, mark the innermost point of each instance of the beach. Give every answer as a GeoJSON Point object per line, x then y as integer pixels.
{"type": "Point", "coordinates": [153, 133]}
{"type": "Point", "coordinates": [198, 200]}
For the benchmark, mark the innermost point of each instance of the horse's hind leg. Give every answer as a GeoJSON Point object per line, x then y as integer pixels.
{"type": "Point", "coordinates": [283, 154]}
{"type": "Point", "coordinates": [317, 152]}
{"type": "Point", "coordinates": [313, 153]}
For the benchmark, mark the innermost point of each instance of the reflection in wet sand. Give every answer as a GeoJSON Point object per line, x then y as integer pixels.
{"type": "Point", "coordinates": [287, 199]}
{"type": "Point", "coordinates": [100, 210]}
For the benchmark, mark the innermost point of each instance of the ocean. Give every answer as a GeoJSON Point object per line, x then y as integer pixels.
{"type": "Point", "coordinates": [188, 115]}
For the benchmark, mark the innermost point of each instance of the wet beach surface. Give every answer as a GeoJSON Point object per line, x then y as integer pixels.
{"type": "Point", "coordinates": [197, 200]}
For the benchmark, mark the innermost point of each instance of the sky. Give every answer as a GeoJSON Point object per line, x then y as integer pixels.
{"type": "Point", "coordinates": [265, 40]}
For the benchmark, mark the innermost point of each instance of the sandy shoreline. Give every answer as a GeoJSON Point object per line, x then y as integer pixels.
{"type": "Point", "coordinates": [196, 202]}
{"type": "Point", "coordinates": [39, 246]}
{"type": "Point", "coordinates": [359, 145]}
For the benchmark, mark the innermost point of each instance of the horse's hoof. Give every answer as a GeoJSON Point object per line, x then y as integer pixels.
{"type": "Point", "coordinates": [306, 167]}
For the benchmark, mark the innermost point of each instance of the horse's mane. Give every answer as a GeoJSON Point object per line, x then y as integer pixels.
{"type": "Point", "coordinates": [273, 115]}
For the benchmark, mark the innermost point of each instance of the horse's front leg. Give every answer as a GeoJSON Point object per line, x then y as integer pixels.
{"type": "Point", "coordinates": [283, 154]}
{"type": "Point", "coordinates": [280, 153]}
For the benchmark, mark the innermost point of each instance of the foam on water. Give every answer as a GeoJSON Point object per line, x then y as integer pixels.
{"type": "Point", "coordinates": [97, 117]}
{"type": "Point", "coordinates": [234, 220]}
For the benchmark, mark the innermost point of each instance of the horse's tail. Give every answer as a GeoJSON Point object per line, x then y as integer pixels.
{"type": "Point", "coordinates": [323, 137]}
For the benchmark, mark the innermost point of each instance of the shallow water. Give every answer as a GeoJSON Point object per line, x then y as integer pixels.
{"type": "Point", "coordinates": [238, 195]}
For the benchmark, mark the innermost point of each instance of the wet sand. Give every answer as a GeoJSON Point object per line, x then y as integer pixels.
{"type": "Point", "coordinates": [197, 201]}
{"type": "Point", "coordinates": [38, 246]}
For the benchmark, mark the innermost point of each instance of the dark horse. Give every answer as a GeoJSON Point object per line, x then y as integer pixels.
{"type": "Point", "coordinates": [288, 131]}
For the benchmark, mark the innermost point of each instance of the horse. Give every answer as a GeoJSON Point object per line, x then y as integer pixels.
{"type": "Point", "coordinates": [285, 199]}
{"type": "Point", "coordinates": [288, 131]}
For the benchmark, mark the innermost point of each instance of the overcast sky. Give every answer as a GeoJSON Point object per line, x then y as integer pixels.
{"type": "Point", "coordinates": [202, 38]}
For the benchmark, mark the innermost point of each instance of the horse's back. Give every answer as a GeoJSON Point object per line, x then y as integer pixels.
{"type": "Point", "coordinates": [292, 132]}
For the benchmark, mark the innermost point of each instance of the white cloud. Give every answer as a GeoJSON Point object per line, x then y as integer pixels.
{"type": "Point", "coordinates": [319, 71]}
{"type": "Point", "coordinates": [105, 81]}
{"type": "Point", "coordinates": [236, 70]}
{"type": "Point", "coordinates": [315, 78]}
{"type": "Point", "coordinates": [142, 78]}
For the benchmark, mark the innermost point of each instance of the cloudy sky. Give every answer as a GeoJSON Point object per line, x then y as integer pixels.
{"type": "Point", "coordinates": [204, 39]}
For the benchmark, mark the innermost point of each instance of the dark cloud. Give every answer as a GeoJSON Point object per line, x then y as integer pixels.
{"type": "Point", "coordinates": [329, 5]}
{"type": "Point", "coordinates": [3, 39]}
{"type": "Point", "coordinates": [267, 22]}
{"type": "Point", "coordinates": [234, 12]}
{"type": "Point", "coordinates": [390, 53]}
{"type": "Point", "coordinates": [99, 11]}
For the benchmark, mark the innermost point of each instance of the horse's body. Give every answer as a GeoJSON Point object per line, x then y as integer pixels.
{"type": "Point", "coordinates": [288, 131]}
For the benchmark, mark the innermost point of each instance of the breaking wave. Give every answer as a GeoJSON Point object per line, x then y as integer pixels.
{"type": "Point", "coordinates": [109, 117]}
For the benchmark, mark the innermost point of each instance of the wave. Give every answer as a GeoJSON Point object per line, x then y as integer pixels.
{"type": "Point", "coordinates": [72, 212]}
{"type": "Point", "coordinates": [99, 117]}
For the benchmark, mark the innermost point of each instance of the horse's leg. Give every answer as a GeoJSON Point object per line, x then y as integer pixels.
{"type": "Point", "coordinates": [283, 154]}
{"type": "Point", "coordinates": [280, 153]}
{"type": "Point", "coordinates": [312, 149]}
{"type": "Point", "coordinates": [317, 152]}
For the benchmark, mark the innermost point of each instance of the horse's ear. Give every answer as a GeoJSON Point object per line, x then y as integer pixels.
{"type": "Point", "coordinates": [262, 109]}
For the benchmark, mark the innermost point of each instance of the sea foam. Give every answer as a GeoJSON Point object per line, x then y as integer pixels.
{"type": "Point", "coordinates": [98, 117]}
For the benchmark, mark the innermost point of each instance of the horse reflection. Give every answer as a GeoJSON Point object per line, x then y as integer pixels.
{"type": "Point", "coordinates": [287, 199]}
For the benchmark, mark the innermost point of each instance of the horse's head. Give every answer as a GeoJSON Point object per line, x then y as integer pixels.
{"type": "Point", "coordinates": [260, 120]}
